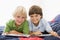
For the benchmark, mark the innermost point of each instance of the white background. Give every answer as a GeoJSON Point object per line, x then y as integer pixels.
{"type": "Point", "coordinates": [51, 8]}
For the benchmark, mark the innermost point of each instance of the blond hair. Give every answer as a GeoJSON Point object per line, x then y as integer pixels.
{"type": "Point", "coordinates": [20, 10]}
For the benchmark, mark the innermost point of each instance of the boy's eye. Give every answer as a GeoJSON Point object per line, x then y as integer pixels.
{"type": "Point", "coordinates": [36, 15]}
{"type": "Point", "coordinates": [18, 16]}
{"type": "Point", "coordinates": [23, 17]}
{"type": "Point", "coordinates": [31, 16]}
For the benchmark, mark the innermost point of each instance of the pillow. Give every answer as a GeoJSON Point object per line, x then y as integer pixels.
{"type": "Point", "coordinates": [1, 29]}
{"type": "Point", "coordinates": [57, 18]}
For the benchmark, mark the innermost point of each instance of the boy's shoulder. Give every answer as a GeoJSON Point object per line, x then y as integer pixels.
{"type": "Point", "coordinates": [25, 21]}
{"type": "Point", "coordinates": [42, 19]}
{"type": "Point", "coordinates": [10, 21]}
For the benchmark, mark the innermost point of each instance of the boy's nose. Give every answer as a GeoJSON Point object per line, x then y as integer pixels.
{"type": "Point", "coordinates": [20, 19]}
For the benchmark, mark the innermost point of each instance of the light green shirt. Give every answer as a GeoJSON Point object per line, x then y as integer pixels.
{"type": "Point", "coordinates": [23, 28]}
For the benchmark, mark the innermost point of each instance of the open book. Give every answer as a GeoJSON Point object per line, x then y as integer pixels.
{"type": "Point", "coordinates": [25, 35]}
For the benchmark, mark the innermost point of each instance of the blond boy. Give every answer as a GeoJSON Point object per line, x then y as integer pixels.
{"type": "Point", "coordinates": [19, 24]}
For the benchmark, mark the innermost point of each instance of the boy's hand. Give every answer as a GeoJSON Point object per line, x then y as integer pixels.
{"type": "Point", "coordinates": [14, 32]}
{"type": "Point", "coordinates": [58, 36]}
{"type": "Point", "coordinates": [54, 34]}
{"type": "Point", "coordinates": [37, 33]}
{"type": "Point", "coordinates": [5, 33]}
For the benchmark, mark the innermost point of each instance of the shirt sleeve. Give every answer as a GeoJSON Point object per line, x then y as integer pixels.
{"type": "Point", "coordinates": [7, 29]}
{"type": "Point", "coordinates": [8, 25]}
{"type": "Point", "coordinates": [30, 25]}
{"type": "Point", "coordinates": [47, 26]}
{"type": "Point", "coordinates": [26, 28]}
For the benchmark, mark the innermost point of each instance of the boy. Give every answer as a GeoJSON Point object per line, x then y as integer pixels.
{"type": "Point", "coordinates": [19, 25]}
{"type": "Point", "coordinates": [37, 24]}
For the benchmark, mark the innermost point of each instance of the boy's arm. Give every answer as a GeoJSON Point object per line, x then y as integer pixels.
{"type": "Point", "coordinates": [14, 32]}
{"type": "Point", "coordinates": [35, 33]}
{"type": "Point", "coordinates": [7, 29]}
{"type": "Point", "coordinates": [26, 28]}
{"type": "Point", "coordinates": [8, 26]}
{"type": "Point", "coordinates": [54, 34]}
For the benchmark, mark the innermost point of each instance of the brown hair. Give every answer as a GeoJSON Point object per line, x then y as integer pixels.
{"type": "Point", "coordinates": [35, 10]}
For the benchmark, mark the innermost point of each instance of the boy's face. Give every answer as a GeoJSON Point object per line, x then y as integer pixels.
{"type": "Point", "coordinates": [35, 18]}
{"type": "Point", "coordinates": [19, 19]}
